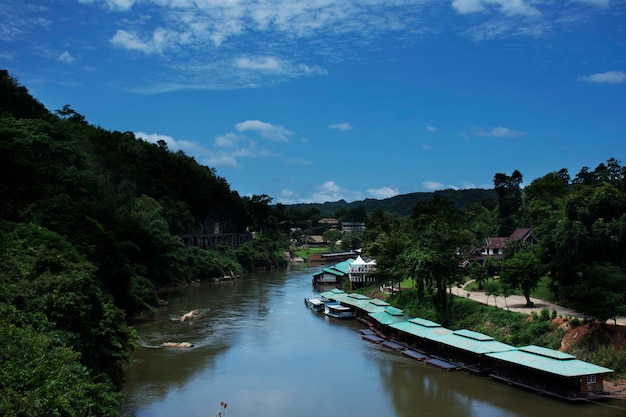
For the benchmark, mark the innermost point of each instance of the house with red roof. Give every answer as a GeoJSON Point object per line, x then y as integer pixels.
{"type": "Point", "coordinates": [494, 246]}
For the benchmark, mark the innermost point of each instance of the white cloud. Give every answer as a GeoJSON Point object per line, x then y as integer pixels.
{"type": "Point", "coordinates": [431, 129]}
{"type": "Point", "coordinates": [234, 44]}
{"type": "Point", "coordinates": [384, 192]}
{"type": "Point", "coordinates": [465, 185]}
{"type": "Point", "coordinates": [155, 137]}
{"type": "Point", "coordinates": [599, 3]}
{"type": "Point", "coordinates": [508, 7]}
{"type": "Point", "coordinates": [341, 126]}
{"type": "Point", "coordinates": [267, 130]}
{"type": "Point", "coordinates": [127, 40]}
{"type": "Point", "coordinates": [263, 63]}
{"type": "Point", "coordinates": [427, 147]}
{"type": "Point", "coordinates": [121, 5]}
{"type": "Point", "coordinates": [191, 148]}
{"type": "Point", "coordinates": [498, 132]}
{"type": "Point", "coordinates": [66, 57]}
{"type": "Point", "coordinates": [331, 191]}
{"type": "Point", "coordinates": [276, 66]}
{"type": "Point", "coordinates": [434, 186]}
{"type": "Point", "coordinates": [223, 161]}
{"type": "Point", "coordinates": [227, 140]}
{"type": "Point", "coordinates": [609, 77]}
{"type": "Point", "coordinates": [330, 187]}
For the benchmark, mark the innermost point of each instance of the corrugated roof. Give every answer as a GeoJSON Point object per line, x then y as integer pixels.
{"type": "Point", "coordinates": [550, 361]}
{"type": "Point", "coordinates": [355, 300]}
{"type": "Point", "coordinates": [389, 316]}
{"type": "Point", "coordinates": [340, 269]}
{"type": "Point", "coordinates": [424, 322]}
{"type": "Point", "coordinates": [334, 294]}
{"type": "Point", "coordinates": [424, 329]}
{"type": "Point", "coordinates": [550, 353]}
{"type": "Point", "coordinates": [474, 335]}
{"type": "Point", "coordinates": [374, 305]}
{"type": "Point", "coordinates": [473, 342]}
{"type": "Point", "coordinates": [331, 271]}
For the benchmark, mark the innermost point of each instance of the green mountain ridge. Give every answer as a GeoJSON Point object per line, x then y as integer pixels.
{"type": "Point", "coordinates": [404, 203]}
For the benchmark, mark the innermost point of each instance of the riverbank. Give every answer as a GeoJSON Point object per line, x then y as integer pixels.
{"type": "Point", "coordinates": [561, 329]}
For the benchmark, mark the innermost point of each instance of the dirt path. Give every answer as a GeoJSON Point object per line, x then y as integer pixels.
{"type": "Point", "coordinates": [518, 303]}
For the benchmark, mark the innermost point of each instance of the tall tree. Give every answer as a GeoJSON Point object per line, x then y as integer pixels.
{"type": "Point", "coordinates": [509, 192]}
{"type": "Point", "coordinates": [601, 292]}
{"type": "Point", "coordinates": [439, 236]}
{"type": "Point", "coordinates": [522, 270]}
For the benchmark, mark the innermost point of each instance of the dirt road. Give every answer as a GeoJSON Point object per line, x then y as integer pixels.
{"type": "Point", "coordinates": [518, 303]}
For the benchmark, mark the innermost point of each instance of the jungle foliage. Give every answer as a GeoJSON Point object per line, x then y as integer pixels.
{"type": "Point", "coordinates": [88, 225]}
{"type": "Point", "coordinates": [580, 224]}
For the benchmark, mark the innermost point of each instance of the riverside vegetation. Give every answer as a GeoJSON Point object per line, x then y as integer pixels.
{"type": "Point", "coordinates": [88, 236]}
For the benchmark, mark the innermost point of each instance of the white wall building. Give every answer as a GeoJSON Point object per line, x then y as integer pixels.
{"type": "Point", "coordinates": [361, 273]}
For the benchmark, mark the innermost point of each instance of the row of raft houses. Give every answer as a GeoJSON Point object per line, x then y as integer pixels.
{"type": "Point", "coordinates": [545, 371]}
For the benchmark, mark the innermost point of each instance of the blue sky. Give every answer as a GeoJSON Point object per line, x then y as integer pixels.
{"type": "Point", "coordinates": [321, 100]}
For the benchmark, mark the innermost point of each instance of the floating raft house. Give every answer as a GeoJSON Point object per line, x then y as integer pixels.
{"type": "Point", "coordinates": [542, 370]}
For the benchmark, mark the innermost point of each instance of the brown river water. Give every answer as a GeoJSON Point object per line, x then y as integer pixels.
{"type": "Point", "coordinates": [258, 348]}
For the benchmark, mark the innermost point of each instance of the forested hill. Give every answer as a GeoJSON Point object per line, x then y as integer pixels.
{"type": "Point", "coordinates": [402, 205]}
{"type": "Point", "coordinates": [88, 225]}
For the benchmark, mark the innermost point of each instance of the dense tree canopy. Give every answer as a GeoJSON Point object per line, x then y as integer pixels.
{"type": "Point", "coordinates": [88, 225]}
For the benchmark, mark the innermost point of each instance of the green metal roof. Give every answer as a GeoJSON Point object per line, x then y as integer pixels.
{"type": "Point", "coordinates": [334, 294]}
{"type": "Point", "coordinates": [550, 353]}
{"type": "Point", "coordinates": [334, 291]}
{"type": "Point", "coordinates": [355, 300]}
{"type": "Point", "coordinates": [389, 316]}
{"type": "Point", "coordinates": [474, 335]}
{"type": "Point", "coordinates": [550, 361]}
{"type": "Point", "coordinates": [425, 323]}
{"type": "Point", "coordinates": [340, 269]}
{"type": "Point", "coordinates": [422, 328]}
{"type": "Point", "coordinates": [373, 305]}
{"type": "Point", "coordinates": [470, 341]}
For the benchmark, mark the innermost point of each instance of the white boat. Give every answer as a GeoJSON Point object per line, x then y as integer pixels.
{"type": "Point", "coordinates": [335, 309]}
{"type": "Point", "coordinates": [314, 303]}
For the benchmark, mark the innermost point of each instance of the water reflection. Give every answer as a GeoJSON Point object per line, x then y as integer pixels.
{"type": "Point", "coordinates": [260, 349]}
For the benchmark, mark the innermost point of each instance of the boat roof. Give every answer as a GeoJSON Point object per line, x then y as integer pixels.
{"type": "Point", "coordinates": [337, 307]}
{"type": "Point", "coordinates": [550, 361]}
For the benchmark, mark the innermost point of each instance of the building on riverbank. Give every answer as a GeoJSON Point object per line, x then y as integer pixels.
{"type": "Point", "coordinates": [546, 371]}
{"type": "Point", "coordinates": [550, 372]}
{"type": "Point", "coordinates": [361, 273]}
{"type": "Point", "coordinates": [333, 274]}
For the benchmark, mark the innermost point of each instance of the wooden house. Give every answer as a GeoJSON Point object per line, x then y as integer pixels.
{"type": "Point", "coordinates": [549, 372]}
{"type": "Point", "coordinates": [494, 246]}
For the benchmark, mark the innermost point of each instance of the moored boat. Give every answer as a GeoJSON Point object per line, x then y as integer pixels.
{"type": "Point", "coordinates": [314, 303]}
{"type": "Point", "coordinates": [336, 310]}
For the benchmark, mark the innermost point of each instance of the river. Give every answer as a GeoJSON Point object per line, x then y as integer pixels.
{"type": "Point", "coordinates": [258, 348]}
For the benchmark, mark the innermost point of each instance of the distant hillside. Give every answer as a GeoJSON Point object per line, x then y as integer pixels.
{"type": "Point", "coordinates": [402, 205]}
